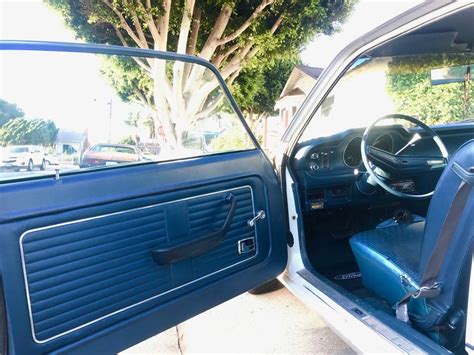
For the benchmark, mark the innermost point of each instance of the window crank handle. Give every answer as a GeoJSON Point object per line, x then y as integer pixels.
{"type": "Point", "coordinates": [258, 216]}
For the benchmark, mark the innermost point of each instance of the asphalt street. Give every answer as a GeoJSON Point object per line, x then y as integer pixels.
{"type": "Point", "coordinates": [274, 323]}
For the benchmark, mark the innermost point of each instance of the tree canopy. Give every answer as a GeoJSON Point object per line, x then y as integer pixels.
{"type": "Point", "coordinates": [24, 131]}
{"type": "Point", "coordinates": [9, 111]}
{"type": "Point", "coordinates": [259, 87]}
{"type": "Point", "coordinates": [241, 38]}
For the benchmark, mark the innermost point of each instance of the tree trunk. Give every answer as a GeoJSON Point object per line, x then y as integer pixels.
{"type": "Point", "coordinates": [163, 107]}
{"type": "Point", "coordinates": [252, 122]}
{"type": "Point", "coordinates": [177, 110]}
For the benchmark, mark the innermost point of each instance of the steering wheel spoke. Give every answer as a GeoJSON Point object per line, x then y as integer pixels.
{"type": "Point", "coordinates": [398, 165]}
{"type": "Point", "coordinates": [404, 164]}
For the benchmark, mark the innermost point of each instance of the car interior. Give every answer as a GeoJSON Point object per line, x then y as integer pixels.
{"type": "Point", "coordinates": [384, 173]}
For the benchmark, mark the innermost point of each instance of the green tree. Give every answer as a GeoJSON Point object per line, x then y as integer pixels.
{"type": "Point", "coordinates": [409, 84]}
{"type": "Point", "coordinates": [9, 111]}
{"type": "Point", "coordinates": [23, 131]}
{"type": "Point", "coordinates": [258, 88]}
{"type": "Point", "coordinates": [128, 140]}
{"type": "Point", "coordinates": [133, 121]}
{"type": "Point", "coordinates": [232, 35]}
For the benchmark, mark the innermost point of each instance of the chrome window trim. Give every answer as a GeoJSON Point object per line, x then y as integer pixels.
{"type": "Point", "coordinates": [30, 231]}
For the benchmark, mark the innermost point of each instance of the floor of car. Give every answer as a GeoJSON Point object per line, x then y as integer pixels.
{"type": "Point", "coordinates": [348, 278]}
{"type": "Point", "coordinates": [346, 275]}
{"type": "Point", "coordinates": [329, 253]}
{"type": "Point", "coordinates": [327, 237]}
{"type": "Point", "coordinates": [371, 299]}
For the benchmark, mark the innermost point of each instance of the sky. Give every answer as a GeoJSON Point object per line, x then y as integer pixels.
{"type": "Point", "coordinates": [366, 15]}
{"type": "Point", "coordinates": [86, 103]}
{"type": "Point", "coordinates": [68, 89]}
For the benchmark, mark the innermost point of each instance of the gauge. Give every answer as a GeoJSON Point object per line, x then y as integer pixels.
{"type": "Point", "coordinates": [384, 142]}
{"type": "Point", "coordinates": [352, 157]}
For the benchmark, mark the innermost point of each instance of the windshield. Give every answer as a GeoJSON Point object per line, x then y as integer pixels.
{"type": "Point", "coordinates": [17, 150]}
{"type": "Point", "coordinates": [112, 148]}
{"type": "Point", "coordinates": [375, 87]}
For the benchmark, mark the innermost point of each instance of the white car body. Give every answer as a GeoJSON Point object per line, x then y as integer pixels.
{"type": "Point", "coordinates": [20, 156]}
{"type": "Point", "coordinates": [364, 332]}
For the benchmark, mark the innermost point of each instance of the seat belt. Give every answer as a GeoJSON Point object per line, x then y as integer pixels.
{"type": "Point", "coordinates": [431, 288]}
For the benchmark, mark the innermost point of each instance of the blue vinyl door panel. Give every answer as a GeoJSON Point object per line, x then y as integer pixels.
{"type": "Point", "coordinates": [85, 270]}
{"type": "Point", "coordinates": [78, 273]}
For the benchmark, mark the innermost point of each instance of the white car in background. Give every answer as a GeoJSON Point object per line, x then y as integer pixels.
{"type": "Point", "coordinates": [27, 157]}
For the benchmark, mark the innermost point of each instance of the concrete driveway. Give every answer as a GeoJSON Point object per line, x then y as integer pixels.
{"type": "Point", "coordinates": [276, 322]}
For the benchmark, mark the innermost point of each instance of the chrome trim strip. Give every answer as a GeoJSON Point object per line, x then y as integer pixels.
{"type": "Point", "coordinates": [25, 278]}
{"type": "Point", "coordinates": [345, 149]}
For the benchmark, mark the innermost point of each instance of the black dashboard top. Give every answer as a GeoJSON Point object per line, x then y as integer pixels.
{"type": "Point", "coordinates": [326, 160]}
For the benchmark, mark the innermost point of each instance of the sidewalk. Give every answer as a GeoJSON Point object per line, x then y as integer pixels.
{"type": "Point", "coordinates": [273, 323]}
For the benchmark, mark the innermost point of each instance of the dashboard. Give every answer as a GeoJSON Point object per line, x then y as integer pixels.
{"type": "Point", "coordinates": [329, 169]}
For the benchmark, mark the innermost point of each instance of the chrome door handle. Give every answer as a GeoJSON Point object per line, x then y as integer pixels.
{"type": "Point", "coordinates": [260, 215]}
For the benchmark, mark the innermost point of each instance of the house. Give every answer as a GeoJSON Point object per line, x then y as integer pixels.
{"type": "Point", "coordinates": [299, 84]}
{"type": "Point", "coordinates": [71, 142]}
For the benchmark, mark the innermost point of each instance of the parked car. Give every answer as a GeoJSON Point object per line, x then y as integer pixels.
{"type": "Point", "coordinates": [149, 151]}
{"type": "Point", "coordinates": [104, 154]}
{"type": "Point", "coordinates": [51, 159]}
{"type": "Point", "coordinates": [367, 215]}
{"type": "Point", "coordinates": [198, 140]}
{"type": "Point", "coordinates": [27, 157]}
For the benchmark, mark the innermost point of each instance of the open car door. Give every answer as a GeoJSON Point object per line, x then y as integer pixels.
{"type": "Point", "coordinates": [98, 254]}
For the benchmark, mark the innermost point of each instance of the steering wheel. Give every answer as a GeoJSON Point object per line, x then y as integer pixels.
{"type": "Point", "coordinates": [381, 165]}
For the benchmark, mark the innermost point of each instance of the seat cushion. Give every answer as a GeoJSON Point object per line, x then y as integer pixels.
{"type": "Point", "coordinates": [386, 254]}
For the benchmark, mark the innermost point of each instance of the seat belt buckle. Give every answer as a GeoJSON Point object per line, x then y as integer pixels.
{"type": "Point", "coordinates": [430, 291]}
{"type": "Point", "coordinates": [401, 308]}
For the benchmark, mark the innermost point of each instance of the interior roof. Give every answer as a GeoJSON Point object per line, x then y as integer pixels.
{"type": "Point", "coordinates": [454, 33]}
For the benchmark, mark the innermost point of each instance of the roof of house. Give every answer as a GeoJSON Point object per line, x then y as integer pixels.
{"type": "Point", "coordinates": [313, 72]}
{"type": "Point", "coordinates": [71, 136]}
{"type": "Point", "coordinates": [301, 80]}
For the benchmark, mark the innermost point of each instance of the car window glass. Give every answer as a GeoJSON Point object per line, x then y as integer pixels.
{"type": "Point", "coordinates": [100, 148]}
{"type": "Point", "coordinates": [17, 150]}
{"type": "Point", "coordinates": [124, 150]}
{"type": "Point", "coordinates": [80, 112]}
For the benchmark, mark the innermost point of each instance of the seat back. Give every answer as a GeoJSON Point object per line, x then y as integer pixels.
{"type": "Point", "coordinates": [458, 256]}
